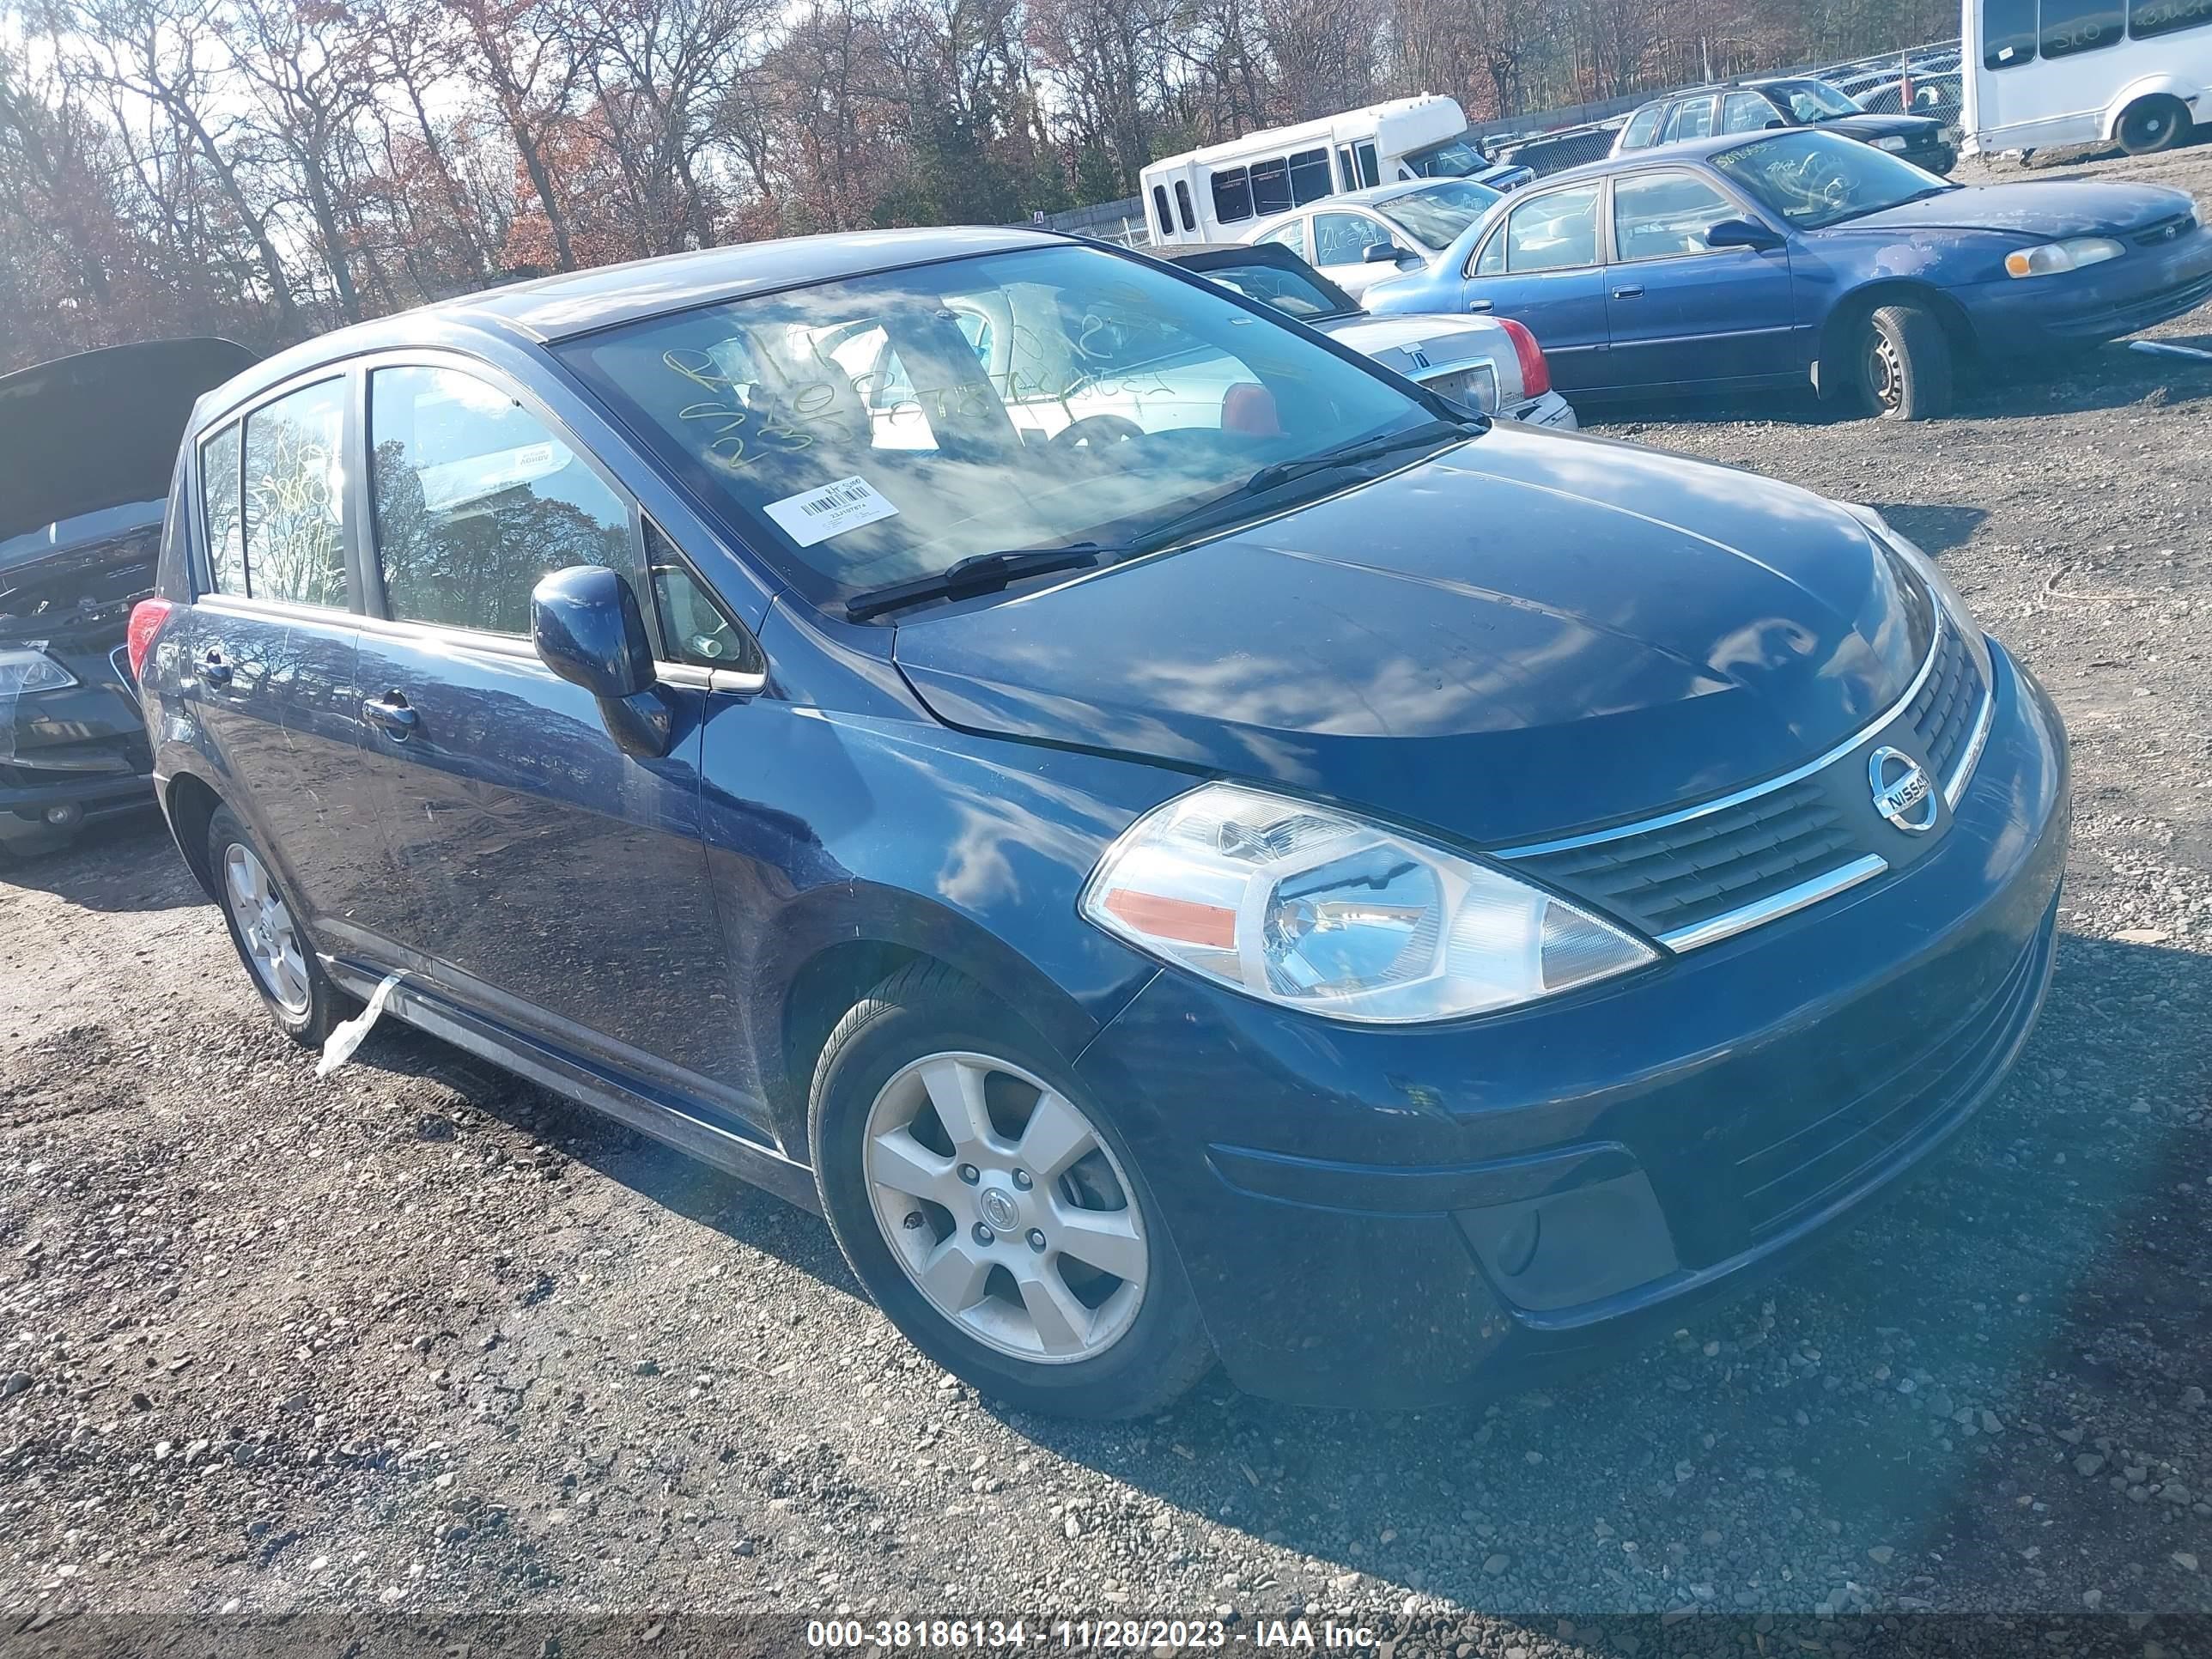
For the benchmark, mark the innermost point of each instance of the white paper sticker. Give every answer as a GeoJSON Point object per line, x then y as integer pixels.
{"type": "Point", "coordinates": [815, 515]}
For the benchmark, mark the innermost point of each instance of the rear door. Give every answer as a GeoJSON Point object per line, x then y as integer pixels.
{"type": "Point", "coordinates": [1542, 267]}
{"type": "Point", "coordinates": [553, 882]}
{"type": "Point", "coordinates": [270, 672]}
{"type": "Point", "coordinates": [1682, 313]}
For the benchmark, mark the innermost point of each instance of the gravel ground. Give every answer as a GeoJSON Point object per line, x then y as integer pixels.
{"type": "Point", "coordinates": [422, 1336]}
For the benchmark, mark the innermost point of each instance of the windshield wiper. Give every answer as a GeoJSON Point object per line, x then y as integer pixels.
{"type": "Point", "coordinates": [1276, 473]}
{"type": "Point", "coordinates": [982, 573]}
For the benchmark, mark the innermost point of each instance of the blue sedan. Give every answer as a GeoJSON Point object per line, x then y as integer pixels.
{"type": "Point", "coordinates": [1183, 844]}
{"type": "Point", "coordinates": [1760, 259]}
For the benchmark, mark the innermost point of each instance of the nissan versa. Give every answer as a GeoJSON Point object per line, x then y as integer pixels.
{"type": "Point", "coordinates": [1183, 845]}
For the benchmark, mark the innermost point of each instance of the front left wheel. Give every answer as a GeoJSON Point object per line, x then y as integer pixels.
{"type": "Point", "coordinates": [991, 1209]}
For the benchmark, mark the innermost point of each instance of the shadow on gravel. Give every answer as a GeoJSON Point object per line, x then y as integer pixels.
{"type": "Point", "coordinates": [1935, 530]}
{"type": "Point", "coordinates": [124, 864]}
{"type": "Point", "coordinates": [1892, 1413]}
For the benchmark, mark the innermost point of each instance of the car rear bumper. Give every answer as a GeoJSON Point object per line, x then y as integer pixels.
{"type": "Point", "coordinates": [1551, 409]}
{"type": "Point", "coordinates": [80, 752]}
{"type": "Point", "coordinates": [1393, 1218]}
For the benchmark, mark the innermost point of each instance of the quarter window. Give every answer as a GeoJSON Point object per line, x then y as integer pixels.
{"type": "Point", "coordinates": [295, 497]}
{"type": "Point", "coordinates": [1556, 232]}
{"type": "Point", "coordinates": [225, 526]}
{"type": "Point", "coordinates": [1232, 195]}
{"type": "Point", "coordinates": [1661, 215]}
{"type": "Point", "coordinates": [1291, 236]}
{"type": "Point", "coordinates": [475, 500]}
{"type": "Point", "coordinates": [2008, 33]}
{"type": "Point", "coordinates": [2072, 26]}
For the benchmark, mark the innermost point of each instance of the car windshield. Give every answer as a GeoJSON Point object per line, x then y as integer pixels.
{"type": "Point", "coordinates": [1294, 293]}
{"type": "Point", "coordinates": [1436, 214]}
{"type": "Point", "coordinates": [1454, 158]}
{"type": "Point", "coordinates": [1813, 101]}
{"type": "Point", "coordinates": [883, 428]}
{"type": "Point", "coordinates": [1816, 178]}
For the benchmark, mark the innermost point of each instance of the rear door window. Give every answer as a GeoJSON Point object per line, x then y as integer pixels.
{"type": "Point", "coordinates": [1291, 236]}
{"type": "Point", "coordinates": [1693, 118]}
{"type": "Point", "coordinates": [1558, 232]}
{"type": "Point", "coordinates": [476, 499]}
{"type": "Point", "coordinates": [295, 497]}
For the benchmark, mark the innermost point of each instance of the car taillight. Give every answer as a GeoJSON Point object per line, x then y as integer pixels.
{"type": "Point", "coordinates": [146, 619]}
{"type": "Point", "coordinates": [1535, 372]}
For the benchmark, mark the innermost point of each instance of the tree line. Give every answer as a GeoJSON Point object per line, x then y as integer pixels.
{"type": "Point", "coordinates": [266, 169]}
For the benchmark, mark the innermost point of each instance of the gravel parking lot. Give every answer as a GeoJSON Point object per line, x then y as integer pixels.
{"type": "Point", "coordinates": [420, 1336]}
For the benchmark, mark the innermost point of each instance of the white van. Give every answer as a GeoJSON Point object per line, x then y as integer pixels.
{"type": "Point", "coordinates": [1218, 193]}
{"type": "Point", "coordinates": [2040, 73]}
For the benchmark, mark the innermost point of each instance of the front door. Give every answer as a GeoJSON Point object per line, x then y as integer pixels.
{"type": "Point", "coordinates": [550, 880]}
{"type": "Point", "coordinates": [271, 651]}
{"type": "Point", "coordinates": [1340, 242]}
{"type": "Point", "coordinates": [1541, 267]}
{"type": "Point", "coordinates": [1681, 313]}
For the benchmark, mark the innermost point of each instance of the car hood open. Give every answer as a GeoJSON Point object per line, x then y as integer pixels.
{"type": "Point", "coordinates": [2046, 208]}
{"type": "Point", "coordinates": [1526, 635]}
{"type": "Point", "coordinates": [100, 430]}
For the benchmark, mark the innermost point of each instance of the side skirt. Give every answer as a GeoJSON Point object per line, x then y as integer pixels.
{"type": "Point", "coordinates": [578, 1079]}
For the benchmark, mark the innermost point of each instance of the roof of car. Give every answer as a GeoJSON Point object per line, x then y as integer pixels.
{"type": "Point", "coordinates": [576, 302]}
{"type": "Point", "coordinates": [1750, 84]}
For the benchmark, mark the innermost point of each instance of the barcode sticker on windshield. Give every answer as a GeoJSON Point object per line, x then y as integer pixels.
{"type": "Point", "coordinates": [815, 515]}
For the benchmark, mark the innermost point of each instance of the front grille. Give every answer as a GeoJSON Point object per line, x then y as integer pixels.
{"type": "Point", "coordinates": [1899, 1097]}
{"type": "Point", "coordinates": [1942, 715]}
{"type": "Point", "coordinates": [2166, 230]}
{"type": "Point", "coordinates": [1668, 879]}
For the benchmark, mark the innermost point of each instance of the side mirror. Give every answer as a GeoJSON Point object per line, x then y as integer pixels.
{"type": "Point", "coordinates": [587, 629]}
{"type": "Point", "coordinates": [1379, 253]}
{"type": "Point", "coordinates": [1741, 232]}
{"type": "Point", "coordinates": [1775, 123]}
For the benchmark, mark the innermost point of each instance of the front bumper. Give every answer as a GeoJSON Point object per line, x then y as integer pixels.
{"type": "Point", "coordinates": [2144, 286]}
{"type": "Point", "coordinates": [1354, 1204]}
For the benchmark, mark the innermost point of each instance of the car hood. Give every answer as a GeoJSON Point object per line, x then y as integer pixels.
{"type": "Point", "coordinates": [82, 434]}
{"type": "Point", "coordinates": [1919, 129]}
{"type": "Point", "coordinates": [2048, 208]}
{"type": "Point", "coordinates": [1528, 635]}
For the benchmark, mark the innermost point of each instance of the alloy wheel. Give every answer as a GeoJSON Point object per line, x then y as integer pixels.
{"type": "Point", "coordinates": [265, 924]}
{"type": "Point", "coordinates": [1005, 1207]}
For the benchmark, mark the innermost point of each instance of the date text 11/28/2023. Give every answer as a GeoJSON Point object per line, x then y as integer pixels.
{"type": "Point", "coordinates": [1071, 1635]}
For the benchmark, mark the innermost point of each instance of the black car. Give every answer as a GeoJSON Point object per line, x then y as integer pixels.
{"type": "Point", "coordinates": [87, 447]}
{"type": "Point", "coordinates": [1797, 101]}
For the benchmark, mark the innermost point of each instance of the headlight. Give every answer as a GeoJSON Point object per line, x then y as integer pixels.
{"type": "Point", "coordinates": [31, 671]}
{"type": "Point", "coordinates": [1311, 908]}
{"type": "Point", "coordinates": [2052, 258]}
{"type": "Point", "coordinates": [1892, 141]}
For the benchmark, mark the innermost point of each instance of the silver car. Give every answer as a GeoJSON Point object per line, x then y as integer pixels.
{"type": "Point", "coordinates": [1492, 365]}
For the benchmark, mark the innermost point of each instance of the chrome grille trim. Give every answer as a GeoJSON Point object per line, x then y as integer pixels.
{"type": "Point", "coordinates": [1667, 820]}
{"type": "Point", "coordinates": [1776, 906]}
{"type": "Point", "coordinates": [1962, 774]}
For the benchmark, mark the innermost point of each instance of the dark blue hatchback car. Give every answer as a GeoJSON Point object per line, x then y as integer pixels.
{"type": "Point", "coordinates": [1183, 845]}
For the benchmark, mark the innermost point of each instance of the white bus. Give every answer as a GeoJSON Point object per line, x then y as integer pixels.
{"type": "Point", "coordinates": [2037, 73]}
{"type": "Point", "coordinates": [1218, 193]}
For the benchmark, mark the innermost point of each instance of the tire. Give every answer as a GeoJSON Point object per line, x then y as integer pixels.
{"type": "Point", "coordinates": [1903, 363]}
{"type": "Point", "coordinates": [301, 1000]}
{"type": "Point", "coordinates": [1127, 1343]}
{"type": "Point", "coordinates": [2151, 125]}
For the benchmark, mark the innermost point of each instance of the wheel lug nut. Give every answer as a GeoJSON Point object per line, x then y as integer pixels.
{"type": "Point", "coordinates": [984, 1235]}
{"type": "Point", "coordinates": [1037, 1239]}
{"type": "Point", "coordinates": [970, 1174]}
{"type": "Point", "coordinates": [1022, 1180]}
{"type": "Point", "coordinates": [913, 1220]}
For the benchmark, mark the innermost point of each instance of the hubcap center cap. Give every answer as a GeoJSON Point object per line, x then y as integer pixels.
{"type": "Point", "coordinates": [998, 1208]}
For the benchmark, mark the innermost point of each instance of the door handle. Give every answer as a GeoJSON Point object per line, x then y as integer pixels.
{"type": "Point", "coordinates": [1633, 292]}
{"type": "Point", "coordinates": [1480, 304]}
{"type": "Point", "coordinates": [391, 712]}
{"type": "Point", "coordinates": [213, 668]}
